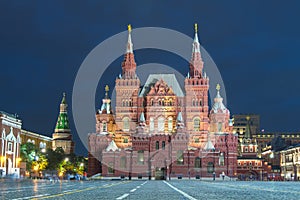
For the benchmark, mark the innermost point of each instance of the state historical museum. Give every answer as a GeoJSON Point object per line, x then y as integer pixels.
{"type": "Point", "coordinates": [160, 130]}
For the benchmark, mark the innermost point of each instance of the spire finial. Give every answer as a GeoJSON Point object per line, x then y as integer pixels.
{"type": "Point", "coordinates": [129, 28]}
{"type": "Point", "coordinates": [64, 94]}
{"type": "Point", "coordinates": [196, 27]}
{"type": "Point", "coordinates": [218, 87]}
{"type": "Point", "coordinates": [106, 88]}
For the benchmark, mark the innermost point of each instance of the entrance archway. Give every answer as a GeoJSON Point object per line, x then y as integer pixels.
{"type": "Point", "coordinates": [160, 173]}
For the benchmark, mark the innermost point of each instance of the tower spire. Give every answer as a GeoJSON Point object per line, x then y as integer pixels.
{"type": "Point", "coordinates": [106, 108]}
{"type": "Point", "coordinates": [196, 63]}
{"type": "Point", "coordinates": [129, 48]}
{"type": "Point", "coordinates": [128, 64]}
{"type": "Point", "coordinates": [63, 121]}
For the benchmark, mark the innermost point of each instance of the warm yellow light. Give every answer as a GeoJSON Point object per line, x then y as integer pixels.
{"type": "Point", "coordinates": [60, 174]}
{"type": "Point", "coordinates": [19, 159]}
{"type": "Point", "coordinates": [36, 167]}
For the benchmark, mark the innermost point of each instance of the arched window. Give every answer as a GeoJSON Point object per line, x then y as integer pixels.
{"type": "Point", "coordinates": [123, 162]}
{"type": "Point", "coordinates": [151, 102]}
{"type": "Point", "coordinates": [170, 124]}
{"type": "Point", "coordinates": [163, 145]}
{"type": "Point", "coordinates": [104, 127]}
{"type": "Point", "coordinates": [171, 102]}
{"type": "Point", "coordinates": [110, 167]}
{"type": "Point", "coordinates": [197, 162]}
{"type": "Point", "coordinates": [140, 157]}
{"type": "Point", "coordinates": [41, 145]}
{"type": "Point", "coordinates": [126, 125]}
{"type": "Point", "coordinates": [196, 124]}
{"type": "Point", "coordinates": [157, 145]}
{"type": "Point", "coordinates": [151, 124]}
{"type": "Point", "coordinates": [179, 157]}
{"type": "Point", "coordinates": [123, 103]}
{"type": "Point", "coordinates": [193, 102]}
{"type": "Point", "coordinates": [159, 102]}
{"type": "Point", "coordinates": [161, 124]}
{"type": "Point", "coordinates": [210, 167]}
{"type": "Point", "coordinates": [219, 127]}
{"type": "Point", "coordinates": [125, 140]}
{"type": "Point", "coordinates": [163, 102]}
{"type": "Point", "coordinates": [221, 159]}
{"type": "Point", "coordinates": [126, 103]}
{"type": "Point", "coordinates": [200, 102]}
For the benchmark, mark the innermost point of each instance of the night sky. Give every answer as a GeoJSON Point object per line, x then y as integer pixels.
{"type": "Point", "coordinates": [255, 45]}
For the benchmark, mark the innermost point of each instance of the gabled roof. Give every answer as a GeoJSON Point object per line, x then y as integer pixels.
{"type": "Point", "coordinates": [170, 79]}
{"type": "Point", "coordinates": [112, 146]}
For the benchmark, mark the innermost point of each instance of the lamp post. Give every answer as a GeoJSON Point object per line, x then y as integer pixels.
{"type": "Point", "coordinates": [214, 173]}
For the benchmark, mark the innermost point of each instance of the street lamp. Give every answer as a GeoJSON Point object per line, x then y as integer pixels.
{"type": "Point", "coordinates": [214, 173]}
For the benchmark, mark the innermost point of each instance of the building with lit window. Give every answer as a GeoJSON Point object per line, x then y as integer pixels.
{"type": "Point", "coordinates": [160, 129]}
{"type": "Point", "coordinates": [10, 141]}
{"type": "Point", "coordinates": [290, 163]}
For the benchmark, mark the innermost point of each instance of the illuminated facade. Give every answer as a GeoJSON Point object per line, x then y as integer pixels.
{"type": "Point", "coordinates": [160, 129]}
{"type": "Point", "coordinates": [290, 163]}
{"type": "Point", "coordinates": [10, 141]}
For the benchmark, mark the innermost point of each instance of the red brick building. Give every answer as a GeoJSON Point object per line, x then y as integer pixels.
{"type": "Point", "coordinates": [160, 130]}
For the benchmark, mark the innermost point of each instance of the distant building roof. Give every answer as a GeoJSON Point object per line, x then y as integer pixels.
{"type": "Point", "coordinates": [170, 79]}
{"type": "Point", "coordinates": [8, 114]}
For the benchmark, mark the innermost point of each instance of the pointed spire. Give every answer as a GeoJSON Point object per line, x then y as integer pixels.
{"type": "Point", "coordinates": [106, 108]}
{"type": "Point", "coordinates": [196, 63]}
{"type": "Point", "coordinates": [63, 101]}
{"type": "Point", "coordinates": [142, 118]}
{"type": "Point", "coordinates": [129, 48]}
{"type": "Point", "coordinates": [106, 92]}
{"type": "Point", "coordinates": [179, 117]}
{"type": "Point", "coordinates": [128, 64]}
{"type": "Point", "coordinates": [62, 120]}
{"type": "Point", "coordinates": [196, 44]}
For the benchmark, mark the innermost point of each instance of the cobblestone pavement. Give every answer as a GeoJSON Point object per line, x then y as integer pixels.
{"type": "Point", "coordinates": [143, 189]}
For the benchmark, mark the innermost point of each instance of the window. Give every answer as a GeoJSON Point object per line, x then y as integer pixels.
{"type": "Point", "coordinates": [104, 127]}
{"type": "Point", "coordinates": [9, 146]}
{"type": "Point", "coordinates": [219, 126]}
{"type": "Point", "coordinates": [163, 145]}
{"type": "Point", "coordinates": [179, 157]}
{"type": "Point", "coordinates": [197, 162]}
{"type": "Point", "coordinates": [140, 157]}
{"type": "Point", "coordinates": [126, 124]}
{"type": "Point", "coordinates": [151, 102]}
{"type": "Point", "coordinates": [196, 140]}
{"type": "Point", "coordinates": [251, 149]}
{"type": "Point", "coordinates": [170, 124]}
{"type": "Point", "coordinates": [221, 159]}
{"type": "Point", "coordinates": [157, 145]}
{"type": "Point", "coordinates": [123, 162]}
{"type": "Point", "coordinates": [196, 124]}
{"type": "Point", "coordinates": [151, 124]}
{"type": "Point", "coordinates": [111, 168]}
{"type": "Point", "coordinates": [125, 140]}
{"type": "Point", "coordinates": [210, 167]}
{"type": "Point", "coordinates": [246, 149]}
{"type": "Point", "coordinates": [200, 102]}
{"type": "Point", "coordinates": [161, 124]}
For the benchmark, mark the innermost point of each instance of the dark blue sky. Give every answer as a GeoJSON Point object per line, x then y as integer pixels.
{"type": "Point", "coordinates": [254, 44]}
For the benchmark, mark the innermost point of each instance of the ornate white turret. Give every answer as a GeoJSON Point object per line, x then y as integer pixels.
{"type": "Point", "coordinates": [218, 106]}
